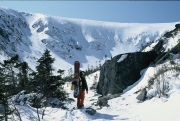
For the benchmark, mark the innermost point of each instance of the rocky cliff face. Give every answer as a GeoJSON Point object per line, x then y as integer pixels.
{"type": "Point", "coordinates": [14, 32]}
{"type": "Point", "coordinates": [123, 70]}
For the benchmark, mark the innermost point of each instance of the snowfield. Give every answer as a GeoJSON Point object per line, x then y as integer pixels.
{"type": "Point", "coordinates": [124, 108]}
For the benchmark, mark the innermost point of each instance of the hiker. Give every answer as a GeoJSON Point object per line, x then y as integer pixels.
{"type": "Point", "coordinates": [82, 87]}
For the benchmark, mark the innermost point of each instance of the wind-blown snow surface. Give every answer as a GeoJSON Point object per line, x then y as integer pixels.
{"type": "Point", "coordinates": [71, 39]}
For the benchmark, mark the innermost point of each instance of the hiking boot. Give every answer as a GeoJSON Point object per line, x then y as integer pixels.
{"type": "Point", "coordinates": [82, 106]}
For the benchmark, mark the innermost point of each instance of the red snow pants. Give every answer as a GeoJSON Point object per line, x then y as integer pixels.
{"type": "Point", "coordinates": [80, 99]}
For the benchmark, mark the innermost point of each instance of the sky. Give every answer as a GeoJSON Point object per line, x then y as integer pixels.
{"type": "Point", "coordinates": [110, 11]}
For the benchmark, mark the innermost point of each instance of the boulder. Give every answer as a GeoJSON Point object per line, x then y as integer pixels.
{"type": "Point", "coordinates": [177, 26]}
{"type": "Point", "coordinates": [122, 71]}
{"type": "Point", "coordinates": [90, 111]}
{"type": "Point", "coordinates": [103, 100]}
{"type": "Point", "coordinates": [142, 95]}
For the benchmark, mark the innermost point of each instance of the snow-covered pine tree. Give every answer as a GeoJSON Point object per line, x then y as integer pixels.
{"type": "Point", "coordinates": [48, 84]}
{"type": "Point", "coordinates": [44, 72]}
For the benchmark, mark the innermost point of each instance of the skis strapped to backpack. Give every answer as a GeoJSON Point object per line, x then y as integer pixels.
{"type": "Point", "coordinates": [76, 79]}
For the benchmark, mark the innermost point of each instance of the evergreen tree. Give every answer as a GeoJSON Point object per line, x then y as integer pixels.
{"type": "Point", "coordinates": [9, 67]}
{"type": "Point", "coordinates": [45, 65]}
{"type": "Point", "coordinates": [5, 94]}
{"type": "Point", "coordinates": [32, 83]}
{"type": "Point", "coordinates": [44, 71]}
{"type": "Point", "coordinates": [59, 92]}
{"type": "Point", "coordinates": [61, 73]}
{"type": "Point", "coordinates": [23, 77]}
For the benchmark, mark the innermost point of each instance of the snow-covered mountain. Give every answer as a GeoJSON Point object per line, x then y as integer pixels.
{"type": "Point", "coordinates": [29, 34]}
{"type": "Point", "coordinates": [88, 41]}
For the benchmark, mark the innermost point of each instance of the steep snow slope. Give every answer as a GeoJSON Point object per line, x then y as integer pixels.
{"type": "Point", "coordinates": [88, 41]}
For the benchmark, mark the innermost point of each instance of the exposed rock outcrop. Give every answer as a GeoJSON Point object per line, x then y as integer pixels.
{"type": "Point", "coordinates": [142, 95]}
{"type": "Point", "coordinates": [90, 111]}
{"type": "Point", "coordinates": [103, 100]}
{"type": "Point", "coordinates": [118, 73]}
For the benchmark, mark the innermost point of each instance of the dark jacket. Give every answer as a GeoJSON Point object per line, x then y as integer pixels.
{"type": "Point", "coordinates": [84, 83]}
